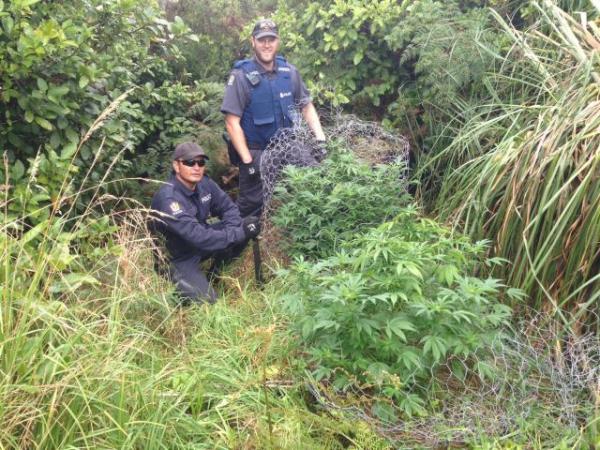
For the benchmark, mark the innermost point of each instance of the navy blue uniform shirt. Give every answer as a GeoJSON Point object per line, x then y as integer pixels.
{"type": "Point", "coordinates": [183, 215]}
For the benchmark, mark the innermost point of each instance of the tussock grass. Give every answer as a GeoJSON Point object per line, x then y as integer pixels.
{"type": "Point", "coordinates": [523, 169]}
{"type": "Point", "coordinates": [121, 366]}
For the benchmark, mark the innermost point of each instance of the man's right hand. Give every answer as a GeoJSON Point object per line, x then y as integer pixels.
{"type": "Point", "coordinates": [251, 170]}
{"type": "Point", "coordinates": [320, 150]}
{"type": "Point", "coordinates": [251, 225]}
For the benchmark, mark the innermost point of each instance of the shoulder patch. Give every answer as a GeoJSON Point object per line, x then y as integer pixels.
{"type": "Point", "coordinates": [231, 80]}
{"type": "Point", "coordinates": [175, 208]}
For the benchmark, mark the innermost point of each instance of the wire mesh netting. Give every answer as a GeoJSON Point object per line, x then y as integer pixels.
{"type": "Point", "coordinates": [534, 374]}
{"type": "Point", "coordinates": [296, 146]}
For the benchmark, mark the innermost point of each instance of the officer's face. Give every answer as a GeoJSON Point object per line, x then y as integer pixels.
{"type": "Point", "coordinates": [265, 48]}
{"type": "Point", "coordinates": [189, 176]}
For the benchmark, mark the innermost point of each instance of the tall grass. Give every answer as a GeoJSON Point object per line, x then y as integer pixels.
{"type": "Point", "coordinates": [94, 352]}
{"type": "Point", "coordinates": [523, 168]}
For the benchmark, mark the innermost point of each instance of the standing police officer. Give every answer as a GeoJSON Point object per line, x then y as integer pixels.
{"type": "Point", "coordinates": [183, 206]}
{"type": "Point", "coordinates": [261, 97]}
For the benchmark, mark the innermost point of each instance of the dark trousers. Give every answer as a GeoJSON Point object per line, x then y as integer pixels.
{"type": "Point", "coordinates": [191, 283]}
{"type": "Point", "coordinates": [250, 197]}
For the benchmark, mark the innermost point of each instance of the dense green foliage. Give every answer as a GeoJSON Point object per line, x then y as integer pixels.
{"type": "Point", "coordinates": [114, 365]}
{"type": "Point", "coordinates": [522, 167]}
{"type": "Point", "coordinates": [385, 305]}
{"type": "Point", "coordinates": [399, 60]}
{"type": "Point", "coordinates": [480, 98]}
{"type": "Point", "coordinates": [321, 208]}
{"type": "Point", "coordinates": [223, 30]}
{"type": "Point", "coordinates": [394, 306]}
{"type": "Point", "coordinates": [66, 66]}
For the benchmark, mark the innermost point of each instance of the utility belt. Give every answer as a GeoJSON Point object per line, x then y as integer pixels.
{"type": "Point", "coordinates": [234, 158]}
{"type": "Point", "coordinates": [253, 146]}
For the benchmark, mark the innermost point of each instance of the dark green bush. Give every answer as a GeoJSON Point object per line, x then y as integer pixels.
{"type": "Point", "coordinates": [324, 206]}
{"type": "Point", "coordinates": [398, 60]}
{"type": "Point", "coordinates": [63, 64]}
{"type": "Point", "coordinates": [222, 30]}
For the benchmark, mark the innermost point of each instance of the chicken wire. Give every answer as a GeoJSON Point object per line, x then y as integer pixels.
{"type": "Point", "coordinates": [296, 146]}
{"type": "Point", "coordinates": [539, 374]}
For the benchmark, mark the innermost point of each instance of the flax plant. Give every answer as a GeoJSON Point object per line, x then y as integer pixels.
{"type": "Point", "coordinates": [524, 168]}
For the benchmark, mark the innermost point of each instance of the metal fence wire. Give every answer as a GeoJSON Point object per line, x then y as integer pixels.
{"type": "Point", "coordinates": [296, 146]}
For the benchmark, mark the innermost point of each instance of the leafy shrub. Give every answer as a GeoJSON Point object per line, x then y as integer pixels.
{"type": "Point", "coordinates": [64, 63]}
{"type": "Point", "coordinates": [395, 304]}
{"type": "Point", "coordinates": [389, 58]}
{"type": "Point", "coordinates": [221, 27]}
{"type": "Point", "coordinates": [324, 206]}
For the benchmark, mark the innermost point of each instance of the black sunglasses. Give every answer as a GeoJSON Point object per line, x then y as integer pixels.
{"type": "Point", "coordinates": [192, 162]}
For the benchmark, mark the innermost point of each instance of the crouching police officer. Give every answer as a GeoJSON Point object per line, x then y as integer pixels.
{"type": "Point", "coordinates": [182, 207]}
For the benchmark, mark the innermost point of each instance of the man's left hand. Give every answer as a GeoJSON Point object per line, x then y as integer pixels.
{"type": "Point", "coordinates": [251, 225]}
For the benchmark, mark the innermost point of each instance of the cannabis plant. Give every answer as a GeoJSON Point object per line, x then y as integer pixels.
{"type": "Point", "coordinates": [394, 305]}
{"type": "Point", "coordinates": [321, 207]}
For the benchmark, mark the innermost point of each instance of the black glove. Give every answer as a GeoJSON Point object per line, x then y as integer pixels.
{"type": "Point", "coordinates": [251, 226]}
{"type": "Point", "coordinates": [320, 151]}
{"type": "Point", "coordinates": [251, 170]}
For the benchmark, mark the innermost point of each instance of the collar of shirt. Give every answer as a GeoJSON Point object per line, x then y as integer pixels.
{"type": "Point", "coordinates": [262, 69]}
{"type": "Point", "coordinates": [181, 187]}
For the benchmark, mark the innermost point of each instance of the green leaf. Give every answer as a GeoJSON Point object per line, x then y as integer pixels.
{"type": "Point", "coordinates": [485, 370]}
{"type": "Point", "coordinates": [325, 324]}
{"type": "Point", "coordinates": [410, 359]}
{"type": "Point", "coordinates": [42, 85]}
{"type": "Point", "coordinates": [458, 369]}
{"type": "Point", "coordinates": [29, 116]}
{"type": "Point", "coordinates": [55, 93]}
{"type": "Point", "coordinates": [447, 273]}
{"type": "Point", "coordinates": [434, 345]}
{"type": "Point", "coordinates": [8, 24]}
{"type": "Point", "coordinates": [72, 135]}
{"type": "Point", "coordinates": [68, 150]}
{"type": "Point", "coordinates": [34, 232]}
{"type": "Point", "coordinates": [398, 325]}
{"type": "Point", "coordinates": [17, 170]}
{"type": "Point", "coordinates": [84, 81]}
{"type": "Point", "coordinates": [307, 328]}
{"type": "Point", "coordinates": [412, 405]}
{"type": "Point", "coordinates": [384, 411]}
{"type": "Point", "coordinates": [44, 123]}
{"type": "Point", "coordinates": [55, 140]}
{"type": "Point", "coordinates": [24, 3]}
{"type": "Point", "coordinates": [73, 281]}
{"type": "Point", "coordinates": [358, 57]}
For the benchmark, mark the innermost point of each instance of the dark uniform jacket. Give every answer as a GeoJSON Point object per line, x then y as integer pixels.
{"type": "Point", "coordinates": [182, 218]}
